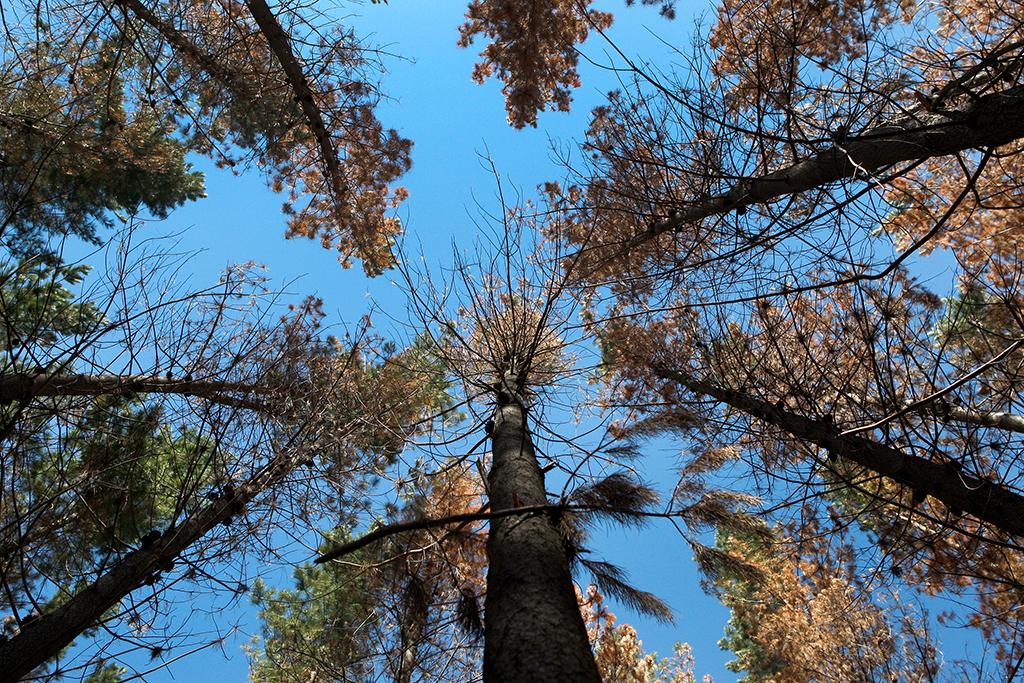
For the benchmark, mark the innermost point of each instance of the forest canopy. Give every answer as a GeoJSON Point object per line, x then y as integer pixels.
{"type": "Point", "coordinates": [779, 244]}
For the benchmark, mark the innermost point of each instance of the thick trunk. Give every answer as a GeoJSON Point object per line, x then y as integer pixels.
{"type": "Point", "coordinates": [983, 499]}
{"type": "Point", "coordinates": [44, 638]}
{"type": "Point", "coordinates": [533, 628]}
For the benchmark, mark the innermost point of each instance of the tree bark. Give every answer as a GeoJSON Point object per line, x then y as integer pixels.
{"type": "Point", "coordinates": [17, 386]}
{"type": "Point", "coordinates": [987, 121]}
{"type": "Point", "coordinates": [43, 639]}
{"type": "Point", "coordinates": [941, 411]}
{"type": "Point", "coordinates": [533, 630]}
{"type": "Point", "coordinates": [981, 498]}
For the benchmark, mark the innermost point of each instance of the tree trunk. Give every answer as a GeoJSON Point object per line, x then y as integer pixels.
{"type": "Point", "coordinates": [44, 638]}
{"type": "Point", "coordinates": [981, 498]}
{"type": "Point", "coordinates": [988, 120]}
{"type": "Point", "coordinates": [533, 630]}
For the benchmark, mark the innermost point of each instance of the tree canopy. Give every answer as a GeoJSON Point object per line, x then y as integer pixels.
{"type": "Point", "coordinates": [790, 255]}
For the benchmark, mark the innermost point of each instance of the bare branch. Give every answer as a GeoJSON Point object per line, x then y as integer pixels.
{"type": "Point", "coordinates": [17, 386]}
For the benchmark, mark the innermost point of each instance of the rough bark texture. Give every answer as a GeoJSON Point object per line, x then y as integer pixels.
{"type": "Point", "coordinates": [987, 121]}
{"type": "Point", "coordinates": [533, 630]}
{"type": "Point", "coordinates": [983, 499]}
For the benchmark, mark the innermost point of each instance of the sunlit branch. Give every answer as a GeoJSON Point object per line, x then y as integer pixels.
{"type": "Point", "coordinates": [986, 419]}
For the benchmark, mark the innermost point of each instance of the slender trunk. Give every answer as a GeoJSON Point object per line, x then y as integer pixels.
{"type": "Point", "coordinates": [981, 498]}
{"type": "Point", "coordinates": [533, 628]}
{"type": "Point", "coordinates": [20, 386]}
{"type": "Point", "coordinates": [280, 45]}
{"type": "Point", "coordinates": [988, 120]}
{"type": "Point", "coordinates": [44, 638]}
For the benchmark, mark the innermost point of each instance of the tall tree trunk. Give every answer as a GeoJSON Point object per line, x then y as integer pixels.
{"type": "Point", "coordinates": [989, 501]}
{"type": "Point", "coordinates": [533, 630]}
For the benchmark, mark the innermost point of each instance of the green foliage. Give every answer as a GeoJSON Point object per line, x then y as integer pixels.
{"type": "Point", "coordinates": [132, 474]}
{"type": "Point", "coordinates": [320, 629]}
{"type": "Point", "coordinates": [735, 589]}
{"type": "Point", "coordinates": [135, 467]}
{"type": "Point", "coordinates": [73, 151]}
{"type": "Point", "coordinates": [966, 312]}
{"type": "Point", "coordinates": [38, 306]}
{"type": "Point", "coordinates": [751, 658]}
{"type": "Point", "coordinates": [109, 673]}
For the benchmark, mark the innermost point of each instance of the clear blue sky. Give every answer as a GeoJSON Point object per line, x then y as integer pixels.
{"type": "Point", "coordinates": [452, 122]}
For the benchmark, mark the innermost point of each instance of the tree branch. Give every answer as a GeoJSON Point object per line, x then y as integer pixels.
{"type": "Point", "coordinates": [187, 49]}
{"type": "Point", "coordinates": [45, 637]}
{"type": "Point", "coordinates": [1007, 421]}
{"type": "Point", "coordinates": [281, 47]}
{"type": "Point", "coordinates": [946, 413]}
{"type": "Point", "coordinates": [465, 517]}
{"type": "Point", "coordinates": [428, 523]}
{"type": "Point", "coordinates": [930, 399]}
